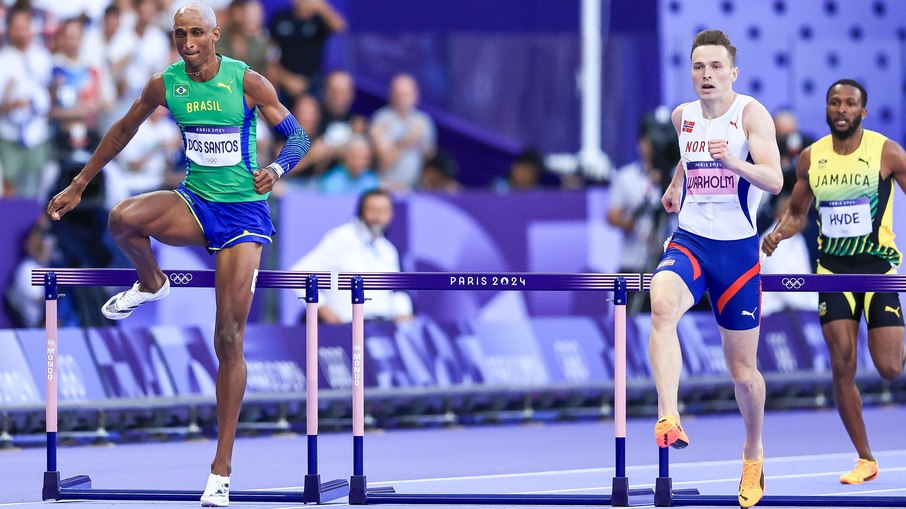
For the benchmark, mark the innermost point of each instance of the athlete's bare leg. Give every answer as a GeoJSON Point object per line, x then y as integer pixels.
{"type": "Point", "coordinates": [740, 349]}
{"type": "Point", "coordinates": [160, 214]}
{"type": "Point", "coordinates": [840, 336]}
{"type": "Point", "coordinates": [235, 272]}
{"type": "Point", "coordinates": [670, 299]}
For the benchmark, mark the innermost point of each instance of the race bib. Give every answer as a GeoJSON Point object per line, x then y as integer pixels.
{"type": "Point", "coordinates": [710, 181]}
{"type": "Point", "coordinates": [213, 145]}
{"type": "Point", "coordinates": [845, 218]}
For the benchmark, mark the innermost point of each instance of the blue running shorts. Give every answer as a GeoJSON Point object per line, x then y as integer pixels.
{"type": "Point", "coordinates": [728, 269]}
{"type": "Point", "coordinates": [228, 224]}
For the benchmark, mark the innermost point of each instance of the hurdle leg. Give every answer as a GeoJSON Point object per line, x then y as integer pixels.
{"type": "Point", "coordinates": [357, 483]}
{"type": "Point", "coordinates": [53, 484]}
{"type": "Point", "coordinates": [619, 494]}
{"type": "Point", "coordinates": [311, 492]}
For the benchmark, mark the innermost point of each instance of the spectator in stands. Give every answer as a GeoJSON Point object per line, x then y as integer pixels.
{"type": "Point", "coordinates": [527, 172]}
{"type": "Point", "coordinates": [147, 159]}
{"type": "Point", "coordinates": [150, 53]}
{"type": "Point", "coordinates": [245, 38]}
{"type": "Point", "coordinates": [439, 175]}
{"type": "Point", "coordinates": [25, 147]}
{"type": "Point", "coordinates": [27, 301]}
{"type": "Point", "coordinates": [338, 122]}
{"type": "Point", "coordinates": [308, 112]}
{"type": "Point", "coordinates": [109, 47]}
{"type": "Point", "coordinates": [635, 198]}
{"type": "Point", "coordinates": [44, 23]}
{"type": "Point", "coordinates": [354, 174]}
{"type": "Point", "coordinates": [359, 245]}
{"type": "Point", "coordinates": [79, 90]}
{"type": "Point", "coordinates": [403, 135]}
{"type": "Point", "coordinates": [301, 32]}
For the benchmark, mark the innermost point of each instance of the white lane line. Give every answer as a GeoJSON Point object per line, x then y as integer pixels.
{"type": "Point", "coordinates": [690, 464]}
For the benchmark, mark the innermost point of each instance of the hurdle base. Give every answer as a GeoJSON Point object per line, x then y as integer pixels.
{"type": "Point", "coordinates": [53, 486]}
{"type": "Point", "coordinates": [619, 492]}
{"type": "Point", "coordinates": [663, 492]}
{"type": "Point", "coordinates": [358, 490]}
{"type": "Point", "coordinates": [311, 490]}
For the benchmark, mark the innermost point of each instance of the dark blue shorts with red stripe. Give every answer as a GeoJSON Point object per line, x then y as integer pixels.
{"type": "Point", "coordinates": [728, 269]}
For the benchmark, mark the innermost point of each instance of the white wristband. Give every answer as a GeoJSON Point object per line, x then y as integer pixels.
{"type": "Point", "coordinates": [277, 168]}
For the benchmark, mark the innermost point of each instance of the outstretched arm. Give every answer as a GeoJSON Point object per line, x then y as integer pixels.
{"type": "Point", "coordinates": [261, 93]}
{"type": "Point", "coordinates": [794, 218]}
{"type": "Point", "coordinates": [114, 141]}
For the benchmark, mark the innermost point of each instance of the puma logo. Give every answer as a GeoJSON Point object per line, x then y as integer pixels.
{"type": "Point", "coordinates": [732, 123]}
{"type": "Point", "coordinates": [864, 161]}
{"type": "Point", "coordinates": [224, 85]}
{"type": "Point", "coordinates": [895, 311]}
{"type": "Point", "coordinates": [750, 313]}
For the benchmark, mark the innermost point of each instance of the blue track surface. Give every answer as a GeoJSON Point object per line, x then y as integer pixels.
{"type": "Point", "coordinates": [806, 452]}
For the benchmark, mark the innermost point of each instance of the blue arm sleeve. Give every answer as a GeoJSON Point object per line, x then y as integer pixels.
{"type": "Point", "coordinates": [295, 148]}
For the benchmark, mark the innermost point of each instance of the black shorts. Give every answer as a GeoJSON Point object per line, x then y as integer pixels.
{"type": "Point", "coordinates": [880, 309]}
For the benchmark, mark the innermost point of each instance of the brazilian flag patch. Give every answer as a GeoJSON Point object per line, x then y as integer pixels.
{"type": "Point", "coordinates": [181, 89]}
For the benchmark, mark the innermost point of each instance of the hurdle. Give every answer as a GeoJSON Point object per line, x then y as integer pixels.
{"type": "Point", "coordinates": [665, 496]}
{"type": "Point", "coordinates": [79, 487]}
{"type": "Point", "coordinates": [619, 284]}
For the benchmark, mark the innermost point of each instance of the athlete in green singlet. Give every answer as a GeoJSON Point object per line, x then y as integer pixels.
{"type": "Point", "coordinates": [851, 173]}
{"type": "Point", "coordinates": [221, 204]}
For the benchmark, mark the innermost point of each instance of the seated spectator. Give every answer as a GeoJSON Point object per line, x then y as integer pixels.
{"type": "Point", "coordinates": [439, 175]}
{"type": "Point", "coordinates": [403, 135]}
{"type": "Point", "coordinates": [527, 172]}
{"type": "Point", "coordinates": [25, 300]}
{"type": "Point", "coordinates": [354, 174]}
{"type": "Point", "coordinates": [359, 245]}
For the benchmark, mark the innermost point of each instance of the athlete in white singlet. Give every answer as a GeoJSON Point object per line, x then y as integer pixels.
{"type": "Point", "coordinates": [729, 157]}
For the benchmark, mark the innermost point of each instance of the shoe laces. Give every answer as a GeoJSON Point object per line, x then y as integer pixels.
{"type": "Point", "coordinates": [751, 474]}
{"type": "Point", "coordinates": [865, 467]}
{"type": "Point", "coordinates": [130, 298]}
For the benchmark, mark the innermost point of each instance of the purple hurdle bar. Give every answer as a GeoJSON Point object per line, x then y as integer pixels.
{"type": "Point", "coordinates": [664, 496]}
{"type": "Point", "coordinates": [618, 283]}
{"type": "Point", "coordinates": [79, 487]}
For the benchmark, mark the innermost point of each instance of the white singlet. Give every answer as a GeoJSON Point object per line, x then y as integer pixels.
{"type": "Point", "coordinates": [717, 203]}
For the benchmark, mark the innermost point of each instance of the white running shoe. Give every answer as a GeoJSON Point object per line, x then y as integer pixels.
{"type": "Point", "coordinates": [123, 304]}
{"type": "Point", "coordinates": [216, 492]}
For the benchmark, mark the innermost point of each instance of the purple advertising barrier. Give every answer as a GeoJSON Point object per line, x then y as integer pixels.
{"type": "Point", "coordinates": [274, 366]}
{"type": "Point", "coordinates": [17, 383]}
{"type": "Point", "coordinates": [574, 350]}
{"type": "Point", "coordinates": [189, 357]}
{"type": "Point", "coordinates": [131, 366]}
{"type": "Point", "coordinates": [77, 373]}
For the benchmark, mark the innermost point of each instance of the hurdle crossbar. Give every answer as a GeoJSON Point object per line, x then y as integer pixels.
{"type": "Point", "coordinates": [619, 284]}
{"type": "Point", "coordinates": [79, 487]}
{"type": "Point", "coordinates": [665, 496]}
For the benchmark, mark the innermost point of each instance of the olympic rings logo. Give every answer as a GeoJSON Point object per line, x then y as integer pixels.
{"type": "Point", "coordinates": [793, 283]}
{"type": "Point", "coordinates": [181, 278]}
{"type": "Point", "coordinates": [211, 160]}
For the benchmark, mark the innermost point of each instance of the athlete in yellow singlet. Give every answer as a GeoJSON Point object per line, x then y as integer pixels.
{"type": "Point", "coordinates": [851, 173]}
